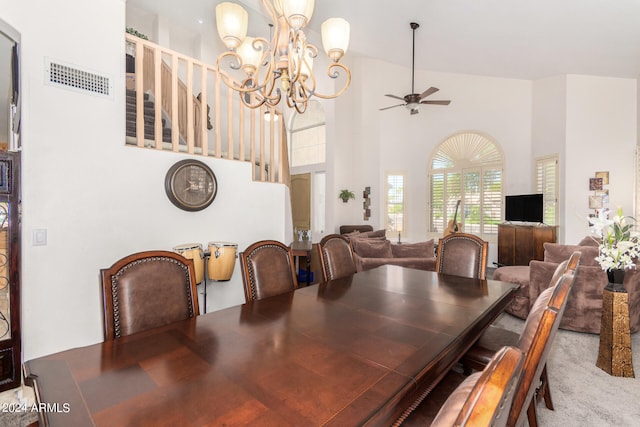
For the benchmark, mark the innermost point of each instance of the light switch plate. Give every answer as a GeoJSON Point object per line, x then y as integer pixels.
{"type": "Point", "coordinates": [39, 237]}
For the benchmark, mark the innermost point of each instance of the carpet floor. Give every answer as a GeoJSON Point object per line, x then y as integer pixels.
{"type": "Point", "coordinates": [583, 394]}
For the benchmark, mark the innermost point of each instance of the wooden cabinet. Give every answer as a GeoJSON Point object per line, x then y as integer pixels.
{"type": "Point", "coordinates": [519, 244]}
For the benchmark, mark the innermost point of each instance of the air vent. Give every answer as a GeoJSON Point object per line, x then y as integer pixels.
{"type": "Point", "coordinates": [76, 79]}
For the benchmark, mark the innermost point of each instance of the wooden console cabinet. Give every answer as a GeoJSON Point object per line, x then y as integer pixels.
{"type": "Point", "coordinates": [518, 244]}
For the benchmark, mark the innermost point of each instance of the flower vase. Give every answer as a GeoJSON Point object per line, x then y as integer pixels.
{"type": "Point", "coordinates": [616, 280]}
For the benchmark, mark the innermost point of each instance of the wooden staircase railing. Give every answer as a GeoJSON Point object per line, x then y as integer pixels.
{"type": "Point", "coordinates": [238, 133]}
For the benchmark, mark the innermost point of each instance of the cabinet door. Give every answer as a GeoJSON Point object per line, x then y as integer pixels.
{"type": "Point", "coordinates": [525, 245]}
{"type": "Point", "coordinates": [506, 244]}
{"type": "Point", "coordinates": [10, 352]}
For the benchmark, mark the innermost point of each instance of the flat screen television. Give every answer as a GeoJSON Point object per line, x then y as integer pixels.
{"type": "Point", "coordinates": [523, 208]}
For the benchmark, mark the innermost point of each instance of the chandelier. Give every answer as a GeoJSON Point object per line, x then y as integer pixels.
{"type": "Point", "coordinates": [287, 57]}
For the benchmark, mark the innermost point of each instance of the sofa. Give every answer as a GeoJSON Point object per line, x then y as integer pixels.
{"type": "Point", "coordinates": [584, 306]}
{"type": "Point", "coordinates": [372, 252]}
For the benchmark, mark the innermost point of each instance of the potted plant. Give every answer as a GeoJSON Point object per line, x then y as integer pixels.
{"type": "Point", "coordinates": [345, 195]}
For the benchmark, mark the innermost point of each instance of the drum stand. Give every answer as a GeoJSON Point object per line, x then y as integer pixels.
{"type": "Point", "coordinates": [205, 256]}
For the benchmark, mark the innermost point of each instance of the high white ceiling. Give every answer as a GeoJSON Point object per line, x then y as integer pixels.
{"type": "Point", "coordinates": [502, 38]}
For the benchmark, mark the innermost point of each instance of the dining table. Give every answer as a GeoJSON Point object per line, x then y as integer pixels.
{"type": "Point", "coordinates": [354, 351]}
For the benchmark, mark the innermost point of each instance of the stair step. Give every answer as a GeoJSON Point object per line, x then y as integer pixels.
{"type": "Point", "coordinates": [132, 103]}
{"type": "Point", "coordinates": [148, 119]}
{"type": "Point", "coordinates": [132, 94]}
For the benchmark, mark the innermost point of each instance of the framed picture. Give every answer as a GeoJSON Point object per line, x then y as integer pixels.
{"type": "Point", "coordinates": [595, 202]}
{"type": "Point", "coordinates": [5, 176]}
{"type": "Point", "coordinates": [595, 183]}
{"type": "Point", "coordinates": [604, 176]}
{"type": "Point", "coordinates": [604, 194]}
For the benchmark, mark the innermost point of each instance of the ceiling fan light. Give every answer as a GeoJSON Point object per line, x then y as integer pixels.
{"type": "Point", "coordinates": [231, 21]}
{"type": "Point", "coordinates": [335, 37]}
{"type": "Point", "coordinates": [297, 12]}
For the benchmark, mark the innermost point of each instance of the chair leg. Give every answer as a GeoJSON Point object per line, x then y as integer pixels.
{"type": "Point", "coordinates": [531, 413]}
{"type": "Point", "coordinates": [543, 391]}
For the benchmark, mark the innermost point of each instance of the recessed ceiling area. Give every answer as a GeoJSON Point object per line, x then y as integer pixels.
{"type": "Point", "coordinates": [501, 38]}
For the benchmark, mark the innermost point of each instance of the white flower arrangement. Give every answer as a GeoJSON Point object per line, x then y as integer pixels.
{"type": "Point", "coordinates": [620, 246]}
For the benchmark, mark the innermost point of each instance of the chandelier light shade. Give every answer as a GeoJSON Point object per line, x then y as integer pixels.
{"type": "Point", "coordinates": [298, 12]}
{"type": "Point", "coordinates": [232, 21]}
{"type": "Point", "coordinates": [335, 37]}
{"type": "Point", "coordinates": [282, 66]}
{"type": "Point", "coordinates": [250, 55]}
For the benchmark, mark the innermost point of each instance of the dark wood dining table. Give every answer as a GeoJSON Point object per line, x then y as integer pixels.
{"type": "Point", "coordinates": [353, 351]}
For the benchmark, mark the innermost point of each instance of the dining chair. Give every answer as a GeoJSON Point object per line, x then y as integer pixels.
{"type": "Point", "coordinates": [479, 400]}
{"type": "Point", "coordinates": [267, 269]}
{"type": "Point", "coordinates": [145, 290]}
{"type": "Point", "coordinates": [336, 257]}
{"type": "Point", "coordinates": [483, 399]}
{"type": "Point", "coordinates": [535, 341]}
{"type": "Point", "coordinates": [462, 254]}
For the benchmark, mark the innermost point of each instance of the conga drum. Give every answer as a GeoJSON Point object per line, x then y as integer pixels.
{"type": "Point", "coordinates": [193, 251]}
{"type": "Point", "coordinates": [222, 259]}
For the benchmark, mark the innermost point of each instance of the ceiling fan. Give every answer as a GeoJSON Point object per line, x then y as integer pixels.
{"type": "Point", "coordinates": [413, 100]}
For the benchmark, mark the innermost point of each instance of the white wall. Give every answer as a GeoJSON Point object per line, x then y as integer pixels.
{"type": "Point", "coordinates": [601, 136]}
{"type": "Point", "coordinates": [98, 199]}
{"type": "Point", "coordinates": [549, 132]}
{"type": "Point", "coordinates": [394, 140]}
{"type": "Point", "coordinates": [591, 122]}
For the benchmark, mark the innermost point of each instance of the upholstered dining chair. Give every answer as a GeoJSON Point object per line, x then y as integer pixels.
{"type": "Point", "coordinates": [535, 341]}
{"type": "Point", "coordinates": [336, 257]}
{"type": "Point", "coordinates": [267, 269]}
{"type": "Point", "coordinates": [146, 290]}
{"type": "Point", "coordinates": [479, 400]}
{"type": "Point", "coordinates": [462, 254]}
{"type": "Point", "coordinates": [483, 399]}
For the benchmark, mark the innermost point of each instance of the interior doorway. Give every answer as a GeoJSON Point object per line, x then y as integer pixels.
{"type": "Point", "coordinates": [308, 176]}
{"type": "Point", "coordinates": [301, 201]}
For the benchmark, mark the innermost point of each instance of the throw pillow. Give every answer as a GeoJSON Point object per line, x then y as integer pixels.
{"type": "Point", "coordinates": [377, 233]}
{"type": "Point", "coordinates": [590, 241]}
{"type": "Point", "coordinates": [413, 250]}
{"type": "Point", "coordinates": [372, 248]}
{"type": "Point", "coordinates": [556, 253]}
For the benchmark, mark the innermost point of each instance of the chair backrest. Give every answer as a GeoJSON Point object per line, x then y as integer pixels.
{"type": "Point", "coordinates": [535, 341]}
{"type": "Point", "coordinates": [267, 269]}
{"type": "Point", "coordinates": [336, 257]}
{"type": "Point", "coordinates": [484, 398]}
{"type": "Point", "coordinates": [147, 289]}
{"type": "Point", "coordinates": [462, 254]}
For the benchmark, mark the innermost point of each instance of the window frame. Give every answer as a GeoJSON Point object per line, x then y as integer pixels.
{"type": "Point", "coordinates": [403, 174]}
{"type": "Point", "coordinates": [540, 187]}
{"type": "Point", "coordinates": [462, 167]}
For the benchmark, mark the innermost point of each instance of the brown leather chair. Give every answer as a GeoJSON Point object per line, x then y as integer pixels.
{"type": "Point", "coordinates": [535, 340]}
{"type": "Point", "coordinates": [146, 290]}
{"type": "Point", "coordinates": [483, 399]}
{"type": "Point", "coordinates": [462, 254]}
{"type": "Point", "coordinates": [267, 269]}
{"type": "Point", "coordinates": [336, 257]}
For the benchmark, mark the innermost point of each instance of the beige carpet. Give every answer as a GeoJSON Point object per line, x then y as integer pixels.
{"type": "Point", "coordinates": [583, 394]}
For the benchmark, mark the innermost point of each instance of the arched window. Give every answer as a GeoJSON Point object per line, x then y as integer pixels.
{"type": "Point", "coordinates": [466, 166]}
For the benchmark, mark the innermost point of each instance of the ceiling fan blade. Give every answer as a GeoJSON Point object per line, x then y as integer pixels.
{"type": "Point", "coordinates": [393, 106]}
{"type": "Point", "coordinates": [428, 92]}
{"type": "Point", "coordinates": [436, 102]}
{"type": "Point", "coordinates": [395, 97]}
